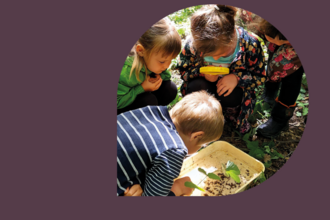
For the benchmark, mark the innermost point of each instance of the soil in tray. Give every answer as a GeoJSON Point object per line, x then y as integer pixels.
{"type": "Point", "coordinates": [226, 186]}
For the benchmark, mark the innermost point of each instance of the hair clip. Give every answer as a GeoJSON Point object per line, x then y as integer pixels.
{"type": "Point", "coordinates": [216, 7]}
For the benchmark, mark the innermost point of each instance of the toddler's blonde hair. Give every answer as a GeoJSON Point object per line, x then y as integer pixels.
{"type": "Point", "coordinates": [199, 111]}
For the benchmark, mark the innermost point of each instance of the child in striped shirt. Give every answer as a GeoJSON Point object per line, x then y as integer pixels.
{"type": "Point", "coordinates": [153, 142]}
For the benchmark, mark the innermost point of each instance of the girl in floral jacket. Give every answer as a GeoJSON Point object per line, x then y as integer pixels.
{"type": "Point", "coordinates": [284, 71]}
{"type": "Point", "coordinates": [283, 66]}
{"type": "Point", "coordinates": [216, 41]}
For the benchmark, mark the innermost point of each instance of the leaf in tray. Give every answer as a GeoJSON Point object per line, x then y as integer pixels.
{"type": "Point", "coordinates": [234, 176]}
{"type": "Point", "coordinates": [231, 167]}
{"type": "Point", "coordinates": [213, 176]}
{"type": "Point", "coordinates": [194, 186]}
{"type": "Point", "coordinates": [202, 171]}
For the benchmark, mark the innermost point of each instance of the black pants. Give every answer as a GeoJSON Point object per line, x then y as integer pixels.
{"type": "Point", "coordinates": [163, 96]}
{"type": "Point", "coordinates": [232, 100]}
{"type": "Point", "coordinates": [290, 87]}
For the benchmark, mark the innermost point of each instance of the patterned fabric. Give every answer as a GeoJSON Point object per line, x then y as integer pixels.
{"type": "Point", "coordinates": [283, 60]}
{"type": "Point", "coordinates": [248, 66]}
{"type": "Point", "coordinates": [150, 151]}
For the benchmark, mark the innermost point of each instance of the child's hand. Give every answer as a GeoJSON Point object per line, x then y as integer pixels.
{"type": "Point", "coordinates": [227, 83]}
{"type": "Point", "coordinates": [153, 80]}
{"type": "Point", "coordinates": [149, 86]}
{"type": "Point", "coordinates": [134, 190]}
{"type": "Point", "coordinates": [179, 189]}
{"type": "Point", "coordinates": [211, 78]}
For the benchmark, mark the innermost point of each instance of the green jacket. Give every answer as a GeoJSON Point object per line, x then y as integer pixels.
{"type": "Point", "coordinates": [130, 87]}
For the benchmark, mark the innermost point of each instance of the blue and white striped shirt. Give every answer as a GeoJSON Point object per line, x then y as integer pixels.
{"type": "Point", "coordinates": [150, 151]}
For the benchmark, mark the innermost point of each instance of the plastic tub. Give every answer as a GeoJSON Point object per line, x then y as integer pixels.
{"type": "Point", "coordinates": [211, 158]}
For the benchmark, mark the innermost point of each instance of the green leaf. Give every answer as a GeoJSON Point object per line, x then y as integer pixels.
{"type": "Point", "coordinates": [271, 144]}
{"type": "Point", "coordinates": [257, 153]}
{"type": "Point", "coordinates": [302, 90]}
{"type": "Point", "coordinates": [193, 186]}
{"type": "Point", "coordinates": [258, 107]}
{"type": "Point", "coordinates": [202, 171]}
{"type": "Point", "coordinates": [213, 176]}
{"type": "Point", "coordinates": [246, 136]}
{"type": "Point", "coordinates": [252, 144]}
{"type": "Point", "coordinates": [277, 154]}
{"type": "Point", "coordinates": [305, 111]}
{"type": "Point", "coordinates": [298, 114]}
{"type": "Point", "coordinates": [235, 177]}
{"type": "Point", "coordinates": [262, 177]}
{"type": "Point", "coordinates": [301, 96]}
{"type": "Point", "coordinates": [267, 149]}
{"type": "Point", "coordinates": [268, 164]}
{"type": "Point", "coordinates": [266, 106]}
{"type": "Point", "coordinates": [231, 167]}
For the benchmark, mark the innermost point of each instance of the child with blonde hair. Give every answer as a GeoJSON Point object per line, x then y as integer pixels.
{"type": "Point", "coordinates": [144, 79]}
{"type": "Point", "coordinates": [216, 41]}
{"type": "Point", "coordinates": [153, 142]}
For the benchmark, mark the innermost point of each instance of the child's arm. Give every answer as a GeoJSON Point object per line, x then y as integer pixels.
{"type": "Point", "coordinates": [166, 167]}
{"type": "Point", "coordinates": [251, 73]}
{"type": "Point", "coordinates": [128, 87]}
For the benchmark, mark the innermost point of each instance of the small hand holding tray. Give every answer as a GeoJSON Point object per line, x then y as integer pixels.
{"type": "Point", "coordinates": [213, 70]}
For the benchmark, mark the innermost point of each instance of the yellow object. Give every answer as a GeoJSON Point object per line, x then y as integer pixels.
{"type": "Point", "coordinates": [213, 70]}
{"type": "Point", "coordinates": [211, 158]}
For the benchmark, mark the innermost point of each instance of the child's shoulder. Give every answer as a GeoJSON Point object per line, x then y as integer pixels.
{"type": "Point", "coordinates": [248, 37]}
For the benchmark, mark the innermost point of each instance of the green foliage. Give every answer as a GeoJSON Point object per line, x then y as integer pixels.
{"type": "Point", "coordinates": [210, 175]}
{"type": "Point", "coordinates": [181, 20]}
{"type": "Point", "coordinates": [193, 186]}
{"type": "Point", "coordinates": [233, 171]}
{"type": "Point", "coordinates": [261, 178]}
{"type": "Point", "coordinates": [213, 176]}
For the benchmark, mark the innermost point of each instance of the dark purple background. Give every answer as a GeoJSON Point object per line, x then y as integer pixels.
{"type": "Point", "coordinates": [60, 64]}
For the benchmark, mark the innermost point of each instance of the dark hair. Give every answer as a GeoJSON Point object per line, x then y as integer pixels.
{"type": "Point", "coordinates": [213, 26]}
{"type": "Point", "coordinates": [271, 31]}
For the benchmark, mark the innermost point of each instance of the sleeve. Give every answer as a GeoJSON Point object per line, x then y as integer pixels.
{"type": "Point", "coordinates": [128, 88]}
{"type": "Point", "coordinates": [189, 64]}
{"type": "Point", "coordinates": [166, 75]}
{"type": "Point", "coordinates": [251, 73]}
{"type": "Point", "coordinates": [166, 167]}
{"type": "Point", "coordinates": [285, 61]}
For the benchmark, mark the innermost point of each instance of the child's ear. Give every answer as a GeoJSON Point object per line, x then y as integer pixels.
{"type": "Point", "coordinates": [140, 50]}
{"type": "Point", "coordinates": [196, 135]}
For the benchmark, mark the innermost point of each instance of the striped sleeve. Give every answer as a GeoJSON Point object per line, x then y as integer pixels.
{"type": "Point", "coordinates": [166, 167]}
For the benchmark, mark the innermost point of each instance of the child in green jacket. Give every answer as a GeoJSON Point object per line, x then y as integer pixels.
{"type": "Point", "coordinates": [144, 79]}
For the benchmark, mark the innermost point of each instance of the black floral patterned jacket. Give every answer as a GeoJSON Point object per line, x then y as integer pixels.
{"type": "Point", "coordinates": [248, 66]}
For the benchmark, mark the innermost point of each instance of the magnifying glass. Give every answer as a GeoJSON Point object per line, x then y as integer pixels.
{"type": "Point", "coordinates": [213, 70]}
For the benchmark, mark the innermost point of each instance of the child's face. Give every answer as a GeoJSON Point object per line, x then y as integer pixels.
{"type": "Point", "coordinates": [222, 52]}
{"type": "Point", "coordinates": [276, 40]}
{"type": "Point", "coordinates": [157, 64]}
